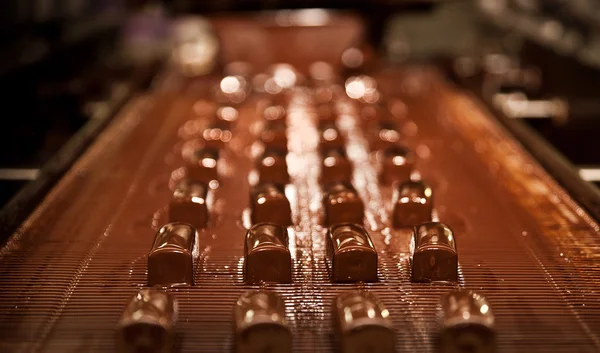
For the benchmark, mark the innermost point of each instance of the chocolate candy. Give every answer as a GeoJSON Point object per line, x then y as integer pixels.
{"type": "Point", "coordinates": [147, 323]}
{"type": "Point", "coordinates": [274, 137]}
{"type": "Point", "coordinates": [363, 323]}
{"type": "Point", "coordinates": [202, 165]}
{"type": "Point", "coordinates": [398, 162]}
{"type": "Point", "coordinates": [330, 138]}
{"type": "Point", "coordinates": [190, 203]}
{"type": "Point", "coordinates": [434, 256]}
{"type": "Point", "coordinates": [260, 324]}
{"type": "Point", "coordinates": [467, 323]}
{"type": "Point", "coordinates": [351, 253]}
{"type": "Point", "coordinates": [217, 134]}
{"type": "Point", "coordinates": [171, 258]}
{"type": "Point", "coordinates": [269, 204]}
{"type": "Point", "coordinates": [275, 116]}
{"type": "Point", "coordinates": [342, 204]}
{"type": "Point", "coordinates": [335, 167]}
{"type": "Point", "coordinates": [413, 204]}
{"type": "Point", "coordinates": [226, 117]}
{"type": "Point", "coordinates": [267, 257]}
{"type": "Point", "coordinates": [384, 135]}
{"type": "Point", "coordinates": [272, 168]}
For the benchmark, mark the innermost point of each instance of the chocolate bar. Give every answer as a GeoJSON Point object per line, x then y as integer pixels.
{"type": "Point", "coordinates": [413, 204]}
{"type": "Point", "coordinates": [147, 323]}
{"type": "Point", "coordinates": [342, 204]}
{"type": "Point", "coordinates": [260, 324]}
{"type": "Point", "coordinates": [467, 323]}
{"type": "Point", "coordinates": [434, 255]}
{"type": "Point", "coordinates": [171, 258]}
{"type": "Point", "coordinates": [351, 253]}
{"type": "Point", "coordinates": [189, 203]}
{"type": "Point", "coordinates": [269, 204]}
{"type": "Point", "coordinates": [266, 253]}
{"type": "Point", "coordinates": [363, 323]}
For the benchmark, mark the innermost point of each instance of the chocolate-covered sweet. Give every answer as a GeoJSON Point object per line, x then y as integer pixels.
{"type": "Point", "coordinates": [383, 134]}
{"type": "Point", "coordinates": [272, 167]}
{"type": "Point", "coordinates": [190, 203]}
{"type": "Point", "coordinates": [266, 253]}
{"type": "Point", "coordinates": [434, 256]}
{"type": "Point", "coordinates": [397, 164]}
{"type": "Point", "coordinates": [342, 204]}
{"type": "Point", "coordinates": [260, 324]}
{"type": "Point", "coordinates": [274, 116]}
{"type": "Point", "coordinates": [171, 258]}
{"type": "Point", "coordinates": [335, 167]}
{"type": "Point", "coordinates": [147, 323]}
{"type": "Point", "coordinates": [217, 134]}
{"type": "Point", "coordinates": [351, 254]}
{"type": "Point", "coordinates": [269, 204]}
{"type": "Point", "coordinates": [413, 204]}
{"type": "Point", "coordinates": [467, 323]}
{"type": "Point", "coordinates": [226, 117]}
{"type": "Point", "coordinates": [202, 165]}
{"type": "Point", "coordinates": [363, 323]}
{"type": "Point", "coordinates": [330, 138]}
{"type": "Point", "coordinates": [274, 137]}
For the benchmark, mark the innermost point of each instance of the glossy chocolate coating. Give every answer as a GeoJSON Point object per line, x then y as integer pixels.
{"type": "Point", "coordinates": [398, 162]}
{"type": "Point", "coordinates": [267, 257]}
{"type": "Point", "coordinates": [274, 137]}
{"type": "Point", "coordinates": [272, 168]}
{"type": "Point", "coordinates": [383, 135]}
{"type": "Point", "coordinates": [274, 116]}
{"type": "Point", "coordinates": [413, 204]}
{"type": "Point", "coordinates": [467, 323]}
{"type": "Point", "coordinates": [269, 204]}
{"type": "Point", "coordinates": [260, 324]}
{"type": "Point", "coordinates": [330, 138]}
{"type": "Point", "coordinates": [171, 258]}
{"type": "Point", "coordinates": [147, 323]}
{"type": "Point", "coordinates": [189, 203]}
{"type": "Point", "coordinates": [434, 256]}
{"type": "Point", "coordinates": [217, 134]}
{"type": "Point", "coordinates": [202, 165]}
{"type": "Point", "coordinates": [335, 167]}
{"type": "Point", "coordinates": [363, 323]}
{"type": "Point", "coordinates": [352, 254]}
{"type": "Point", "coordinates": [342, 204]}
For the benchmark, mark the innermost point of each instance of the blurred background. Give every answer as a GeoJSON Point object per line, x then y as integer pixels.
{"type": "Point", "coordinates": [68, 66]}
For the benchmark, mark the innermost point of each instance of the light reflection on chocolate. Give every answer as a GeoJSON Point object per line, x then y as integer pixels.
{"type": "Point", "coordinates": [171, 258]}
{"type": "Point", "coordinates": [335, 167]}
{"type": "Point", "coordinates": [351, 253]}
{"type": "Point", "coordinates": [274, 116]}
{"type": "Point", "coordinates": [272, 167]}
{"type": "Point", "coordinates": [363, 323]}
{"type": "Point", "coordinates": [330, 138]}
{"type": "Point", "coordinates": [267, 256]}
{"type": "Point", "coordinates": [147, 323]}
{"type": "Point", "coordinates": [202, 165]}
{"type": "Point", "coordinates": [269, 204]}
{"type": "Point", "coordinates": [397, 165]}
{"type": "Point", "coordinates": [434, 255]}
{"type": "Point", "coordinates": [342, 204]}
{"type": "Point", "coordinates": [260, 324]}
{"type": "Point", "coordinates": [413, 204]}
{"type": "Point", "coordinates": [467, 323]}
{"type": "Point", "coordinates": [189, 203]}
